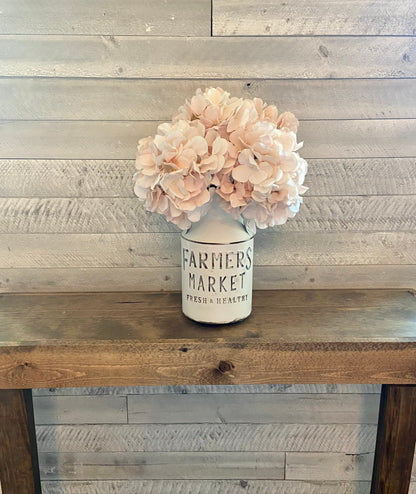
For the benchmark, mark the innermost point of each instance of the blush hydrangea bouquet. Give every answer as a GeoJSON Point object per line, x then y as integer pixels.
{"type": "Point", "coordinates": [240, 151]}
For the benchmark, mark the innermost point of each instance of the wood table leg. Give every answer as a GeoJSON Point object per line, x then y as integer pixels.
{"type": "Point", "coordinates": [19, 469]}
{"type": "Point", "coordinates": [396, 437]}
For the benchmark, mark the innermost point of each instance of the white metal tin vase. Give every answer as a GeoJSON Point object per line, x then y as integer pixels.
{"type": "Point", "coordinates": [217, 269]}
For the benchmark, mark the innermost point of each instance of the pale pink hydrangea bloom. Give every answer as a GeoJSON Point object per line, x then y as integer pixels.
{"type": "Point", "coordinates": [239, 149]}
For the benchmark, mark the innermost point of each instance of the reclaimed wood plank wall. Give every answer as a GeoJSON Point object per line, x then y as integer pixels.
{"type": "Point", "coordinates": [80, 83]}
{"type": "Point", "coordinates": [290, 439]}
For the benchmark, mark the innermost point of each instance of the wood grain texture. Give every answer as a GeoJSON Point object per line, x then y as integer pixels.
{"type": "Point", "coordinates": [74, 178]}
{"type": "Point", "coordinates": [80, 410]}
{"type": "Point", "coordinates": [168, 278]}
{"type": "Point", "coordinates": [161, 251]}
{"type": "Point", "coordinates": [127, 215]}
{"type": "Point", "coordinates": [372, 176]}
{"type": "Point", "coordinates": [342, 276]}
{"type": "Point", "coordinates": [91, 215]}
{"type": "Point", "coordinates": [348, 438]}
{"type": "Point", "coordinates": [242, 388]}
{"type": "Point", "coordinates": [331, 466]}
{"type": "Point", "coordinates": [83, 89]}
{"type": "Point", "coordinates": [328, 466]}
{"type": "Point", "coordinates": [207, 487]}
{"type": "Point", "coordinates": [294, 17]}
{"type": "Point", "coordinates": [156, 18]}
{"type": "Point", "coordinates": [206, 465]}
{"type": "Point", "coordinates": [118, 140]}
{"type": "Point", "coordinates": [253, 408]}
{"type": "Point", "coordinates": [252, 57]}
{"type": "Point", "coordinates": [72, 140]}
{"type": "Point", "coordinates": [46, 319]}
{"type": "Point", "coordinates": [18, 455]}
{"type": "Point", "coordinates": [157, 99]}
{"type": "Point", "coordinates": [178, 465]}
{"type": "Point", "coordinates": [361, 336]}
{"type": "Point", "coordinates": [396, 439]}
{"type": "Point", "coordinates": [113, 178]}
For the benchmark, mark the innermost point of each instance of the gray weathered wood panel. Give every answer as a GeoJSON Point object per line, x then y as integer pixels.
{"type": "Point", "coordinates": [94, 72]}
{"type": "Point", "coordinates": [92, 215]}
{"type": "Point", "coordinates": [80, 410]}
{"type": "Point", "coordinates": [253, 408]}
{"type": "Point", "coordinates": [216, 389]}
{"type": "Point", "coordinates": [347, 438]}
{"type": "Point", "coordinates": [38, 279]}
{"type": "Point", "coordinates": [162, 250]}
{"type": "Point", "coordinates": [178, 465]}
{"type": "Point", "coordinates": [331, 466]}
{"type": "Point", "coordinates": [321, 17]}
{"type": "Point", "coordinates": [132, 17]}
{"type": "Point", "coordinates": [118, 140]}
{"type": "Point", "coordinates": [127, 215]}
{"type": "Point", "coordinates": [113, 178]}
{"type": "Point", "coordinates": [204, 58]}
{"type": "Point", "coordinates": [207, 487]}
{"type": "Point", "coordinates": [158, 99]}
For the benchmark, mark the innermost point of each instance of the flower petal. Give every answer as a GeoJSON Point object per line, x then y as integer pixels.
{"type": "Point", "coordinates": [242, 173]}
{"type": "Point", "coordinates": [219, 146]}
{"type": "Point", "coordinates": [199, 145]}
{"type": "Point", "coordinates": [257, 176]}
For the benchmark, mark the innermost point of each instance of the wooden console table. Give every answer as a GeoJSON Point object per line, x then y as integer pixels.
{"type": "Point", "coordinates": [128, 339]}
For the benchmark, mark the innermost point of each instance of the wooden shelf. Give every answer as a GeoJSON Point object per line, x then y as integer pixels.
{"type": "Point", "coordinates": [299, 336]}
{"type": "Point", "coordinates": [121, 339]}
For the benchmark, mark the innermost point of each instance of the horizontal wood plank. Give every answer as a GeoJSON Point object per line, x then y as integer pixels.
{"type": "Point", "coordinates": [71, 178]}
{"type": "Point", "coordinates": [158, 99]}
{"type": "Point", "coordinates": [72, 140]}
{"type": "Point", "coordinates": [331, 466]}
{"type": "Point", "coordinates": [127, 215]}
{"type": "Point", "coordinates": [206, 487]}
{"type": "Point", "coordinates": [241, 388]}
{"type": "Point", "coordinates": [195, 465]}
{"type": "Point", "coordinates": [161, 251]}
{"type": "Point", "coordinates": [118, 364]}
{"type": "Point", "coordinates": [92, 215]}
{"type": "Point", "coordinates": [168, 278]}
{"type": "Point", "coordinates": [156, 18]}
{"type": "Point", "coordinates": [253, 408]}
{"type": "Point", "coordinates": [113, 178]}
{"type": "Point", "coordinates": [337, 276]}
{"type": "Point", "coordinates": [207, 465]}
{"type": "Point", "coordinates": [118, 140]}
{"type": "Point", "coordinates": [347, 438]}
{"type": "Point", "coordinates": [357, 176]}
{"type": "Point", "coordinates": [137, 250]}
{"type": "Point", "coordinates": [294, 17]}
{"type": "Point", "coordinates": [253, 57]}
{"type": "Point", "coordinates": [99, 337]}
{"type": "Point", "coordinates": [80, 410]}
{"type": "Point", "coordinates": [105, 303]}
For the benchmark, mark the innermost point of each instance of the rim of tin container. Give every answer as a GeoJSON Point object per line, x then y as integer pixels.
{"type": "Point", "coordinates": [218, 243]}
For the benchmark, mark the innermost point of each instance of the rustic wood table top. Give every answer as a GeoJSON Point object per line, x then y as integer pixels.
{"type": "Point", "coordinates": [134, 338]}
{"type": "Point", "coordinates": [112, 339]}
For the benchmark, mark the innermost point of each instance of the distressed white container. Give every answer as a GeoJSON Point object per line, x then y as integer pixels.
{"type": "Point", "coordinates": [217, 269]}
